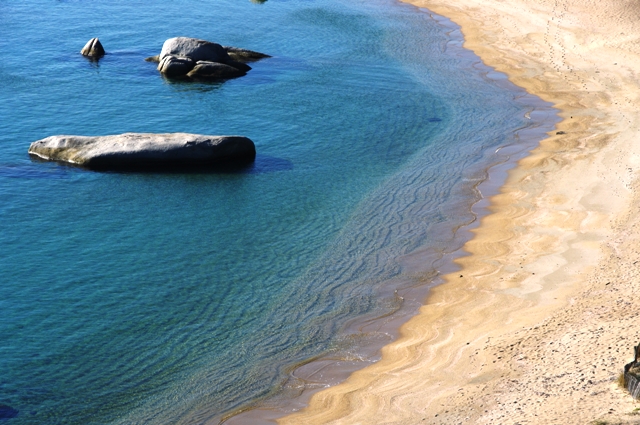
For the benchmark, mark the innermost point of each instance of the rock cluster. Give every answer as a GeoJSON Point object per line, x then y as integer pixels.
{"type": "Point", "coordinates": [200, 59]}
{"type": "Point", "coordinates": [180, 57]}
{"type": "Point", "coordinates": [146, 151]}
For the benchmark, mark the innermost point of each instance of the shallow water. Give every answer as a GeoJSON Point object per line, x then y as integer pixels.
{"type": "Point", "coordinates": [173, 298]}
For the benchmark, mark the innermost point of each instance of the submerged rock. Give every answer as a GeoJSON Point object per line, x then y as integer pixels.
{"type": "Point", "coordinates": [208, 60]}
{"type": "Point", "coordinates": [244, 54]}
{"type": "Point", "coordinates": [93, 49]}
{"type": "Point", "coordinates": [7, 412]}
{"type": "Point", "coordinates": [146, 151]}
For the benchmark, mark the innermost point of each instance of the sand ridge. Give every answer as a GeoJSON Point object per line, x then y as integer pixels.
{"type": "Point", "coordinates": [537, 325]}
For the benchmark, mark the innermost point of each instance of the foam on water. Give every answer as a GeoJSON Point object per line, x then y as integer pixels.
{"type": "Point", "coordinates": [175, 298]}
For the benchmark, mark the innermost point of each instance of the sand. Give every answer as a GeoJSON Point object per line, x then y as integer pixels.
{"type": "Point", "coordinates": [537, 325]}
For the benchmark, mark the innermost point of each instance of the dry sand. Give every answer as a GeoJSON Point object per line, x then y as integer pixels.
{"type": "Point", "coordinates": [537, 326]}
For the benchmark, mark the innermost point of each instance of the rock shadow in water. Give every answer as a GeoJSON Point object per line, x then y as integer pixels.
{"type": "Point", "coordinates": [269, 164]}
{"type": "Point", "coordinates": [261, 165]}
{"type": "Point", "coordinates": [95, 62]}
{"type": "Point", "coordinates": [29, 171]}
{"type": "Point", "coordinates": [185, 84]}
{"type": "Point", "coordinates": [8, 412]}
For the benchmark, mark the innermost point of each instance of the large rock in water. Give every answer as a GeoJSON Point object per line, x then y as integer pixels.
{"type": "Point", "coordinates": [146, 151]}
{"type": "Point", "coordinates": [181, 55]}
{"type": "Point", "coordinates": [195, 49]}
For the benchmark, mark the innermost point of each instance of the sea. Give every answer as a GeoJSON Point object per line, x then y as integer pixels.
{"type": "Point", "coordinates": [188, 298]}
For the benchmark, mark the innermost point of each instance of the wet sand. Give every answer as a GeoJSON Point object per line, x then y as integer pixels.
{"type": "Point", "coordinates": [539, 322]}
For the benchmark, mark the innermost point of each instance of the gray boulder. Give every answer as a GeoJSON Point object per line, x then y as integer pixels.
{"type": "Point", "coordinates": [146, 151]}
{"type": "Point", "coordinates": [93, 49]}
{"type": "Point", "coordinates": [193, 48]}
{"type": "Point", "coordinates": [214, 70]}
{"type": "Point", "coordinates": [173, 66]}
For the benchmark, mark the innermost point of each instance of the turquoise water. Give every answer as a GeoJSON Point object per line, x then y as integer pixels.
{"type": "Point", "coordinates": [175, 298]}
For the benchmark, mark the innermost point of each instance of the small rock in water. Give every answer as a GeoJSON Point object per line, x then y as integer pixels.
{"type": "Point", "coordinates": [93, 49]}
{"type": "Point", "coordinates": [8, 412]}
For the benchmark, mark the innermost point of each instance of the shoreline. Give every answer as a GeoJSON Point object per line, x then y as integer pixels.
{"type": "Point", "coordinates": [545, 267]}
{"type": "Point", "coordinates": [541, 117]}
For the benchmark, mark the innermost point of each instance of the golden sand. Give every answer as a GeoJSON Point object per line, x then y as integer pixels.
{"type": "Point", "coordinates": [537, 326]}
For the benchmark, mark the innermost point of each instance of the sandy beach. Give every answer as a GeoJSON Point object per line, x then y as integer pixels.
{"type": "Point", "coordinates": [536, 326]}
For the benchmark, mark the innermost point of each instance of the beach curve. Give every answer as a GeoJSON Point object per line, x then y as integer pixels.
{"type": "Point", "coordinates": [537, 324]}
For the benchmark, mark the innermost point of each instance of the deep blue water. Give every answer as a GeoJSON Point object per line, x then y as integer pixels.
{"type": "Point", "coordinates": [172, 298]}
